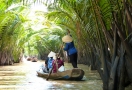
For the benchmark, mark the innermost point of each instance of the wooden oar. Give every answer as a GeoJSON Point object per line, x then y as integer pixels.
{"type": "Point", "coordinates": [49, 73]}
{"type": "Point", "coordinates": [54, 64]}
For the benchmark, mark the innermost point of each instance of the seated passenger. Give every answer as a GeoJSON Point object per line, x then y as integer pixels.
{"type": "Point", "coordinates": [50, 63]}
{"type": "Point", "coordinates": [57, 63]}
{"type": "Point", "coordinates": [51, 55]}
{"type": "Point", "coordinates": [47, 66]}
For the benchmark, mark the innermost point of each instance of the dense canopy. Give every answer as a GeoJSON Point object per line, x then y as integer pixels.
{"type": "Point", "coordinates": [101, 30]}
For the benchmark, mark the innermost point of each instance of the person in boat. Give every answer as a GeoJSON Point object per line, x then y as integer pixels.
{"type": "Point", "coordinates": [71, 50]}
{"type": "Point", "coordinates": [49, 63]}
{"type": "Point", "coordinates": [57, 63]}
{"type": "Point", "coordinates": [47, 66]}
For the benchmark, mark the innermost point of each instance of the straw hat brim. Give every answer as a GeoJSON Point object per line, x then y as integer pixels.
{"type": "Point", "coordinates": [67, 39]}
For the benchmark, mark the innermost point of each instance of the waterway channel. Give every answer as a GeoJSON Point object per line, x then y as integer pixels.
{"type": "Point", "coordinates": [23, 76]}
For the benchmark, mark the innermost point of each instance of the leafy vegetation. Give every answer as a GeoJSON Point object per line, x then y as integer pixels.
{"type": "Point", "coordinates": [102, 33]}
{"type": "Point", "coordinates": [101, 30]}
{"type": "Point", "coordinates": [24, 30]}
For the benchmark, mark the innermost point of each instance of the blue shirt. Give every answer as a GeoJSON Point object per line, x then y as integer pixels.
{"type": "Point", "coordinates": [50, 63]}
{"type": "Point", "coordinates": [70, 48]}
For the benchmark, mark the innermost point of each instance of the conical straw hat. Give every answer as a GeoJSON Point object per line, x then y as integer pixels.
{"type": "Point", "coordinates": [67, 39]}
{"type": "Point", "coordinates": [51, 54]}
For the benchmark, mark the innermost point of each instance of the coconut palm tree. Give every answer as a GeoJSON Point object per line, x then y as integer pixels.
{"type": "Point", "coordinates": [100, 25]}
{"type": "Point", "coordinates": [11, 31]}
{"type": "Point", "coordinates": [10, 22]}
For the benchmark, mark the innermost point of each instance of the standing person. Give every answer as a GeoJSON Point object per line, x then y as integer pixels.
{"type": "Point", "coordinates": [71, 50]}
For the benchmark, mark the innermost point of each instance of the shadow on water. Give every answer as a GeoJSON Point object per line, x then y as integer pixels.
{"type": "Point", "coordinates": [23, 76]}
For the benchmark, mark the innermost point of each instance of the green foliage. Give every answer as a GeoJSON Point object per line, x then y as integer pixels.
{"type": "Point", "coordinates": [11, 31]}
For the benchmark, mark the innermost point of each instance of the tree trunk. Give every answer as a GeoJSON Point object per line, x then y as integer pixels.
{"type": "Point", "coordinates": [121, 70]}
{"type": "Point", "coordinates": [112, 81]}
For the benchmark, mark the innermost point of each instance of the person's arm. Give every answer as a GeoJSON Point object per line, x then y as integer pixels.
{"type": "Point", "coordinates": [66, 47]}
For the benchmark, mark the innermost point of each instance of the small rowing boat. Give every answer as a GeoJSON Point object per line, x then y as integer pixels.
{"type": "Point", "coordinates": [73, 74]}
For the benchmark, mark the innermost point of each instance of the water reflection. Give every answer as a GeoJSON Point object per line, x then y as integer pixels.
{"type": "Point", "coordinates": [23, 76]}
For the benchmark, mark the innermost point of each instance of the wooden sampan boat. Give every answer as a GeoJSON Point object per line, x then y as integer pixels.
{"type": "Point", "coordinates": [34, 59]}
{"type": "Point", "coordinates": [73, 74]}
{"type": "Point", "coordinates": [29, 59]}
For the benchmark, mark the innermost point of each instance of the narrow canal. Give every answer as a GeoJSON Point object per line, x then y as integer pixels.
{"type": "Point", "coordinates": [23, 76]}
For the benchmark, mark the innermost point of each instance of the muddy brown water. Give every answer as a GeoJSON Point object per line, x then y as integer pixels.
{"type": "Point", "coordinates": [23, 76]}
